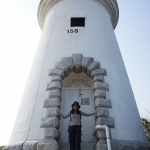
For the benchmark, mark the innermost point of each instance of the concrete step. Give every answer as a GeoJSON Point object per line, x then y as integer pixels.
{"type": "Point", "coordinates": [84, 146]}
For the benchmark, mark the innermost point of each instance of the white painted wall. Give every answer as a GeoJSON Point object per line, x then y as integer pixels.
{"type": "Point", "coordinates": [96, 39]}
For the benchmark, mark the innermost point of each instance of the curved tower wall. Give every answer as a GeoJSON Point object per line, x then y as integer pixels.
{"type": "Point", "coordinates": [97, 40]}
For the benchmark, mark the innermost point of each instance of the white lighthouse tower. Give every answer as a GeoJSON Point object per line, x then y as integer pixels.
{"type": "Point", "coordinates": [78, 59]}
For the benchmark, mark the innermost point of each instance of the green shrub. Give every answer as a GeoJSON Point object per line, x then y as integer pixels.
{"type": "Point", "coordinates": [1, 147]}
{"type": "Point", "coordinates": [146, 125]}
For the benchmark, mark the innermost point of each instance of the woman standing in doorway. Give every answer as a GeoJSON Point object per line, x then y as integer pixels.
{"type": "Point", "coordinates": [75, 125]}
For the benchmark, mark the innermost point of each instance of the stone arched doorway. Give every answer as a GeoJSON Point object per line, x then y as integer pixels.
{"type": "Point", "coordinates": [76, 73]}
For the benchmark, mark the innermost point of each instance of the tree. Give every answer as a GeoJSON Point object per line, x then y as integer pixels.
{"type": "Point", "coordinates": [146, 125]}
{"type": "Point", "coordinates": [1, 147]}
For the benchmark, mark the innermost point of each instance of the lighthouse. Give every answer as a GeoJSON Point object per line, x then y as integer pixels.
{"type": "Point", "coordinates": [78, 59]}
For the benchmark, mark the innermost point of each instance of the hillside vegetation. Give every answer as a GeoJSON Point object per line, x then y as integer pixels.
{"type": "Point", "coordinates": [1, 147]}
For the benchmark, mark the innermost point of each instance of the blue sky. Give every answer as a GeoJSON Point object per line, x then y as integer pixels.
{"type": "Point", "coordinates": [19, 38]}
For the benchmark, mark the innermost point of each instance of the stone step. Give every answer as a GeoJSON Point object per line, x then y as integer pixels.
{"type": "Point", "coordinates": [81, 149]}
{"type": "Point", "coordinates": [84, 146]}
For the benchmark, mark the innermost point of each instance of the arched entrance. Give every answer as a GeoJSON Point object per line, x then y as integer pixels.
{"type": "Point", "coordinates": [76, 78]}
{"type": "Point", "coordinates": [78, 88]}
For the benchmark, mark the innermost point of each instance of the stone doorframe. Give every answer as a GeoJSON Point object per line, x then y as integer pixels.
{"type": "Point", "coordinates": [77, 64]}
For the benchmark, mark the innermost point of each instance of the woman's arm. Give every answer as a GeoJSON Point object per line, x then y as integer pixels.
{"type": "Point", "coordinates": [64, 117]}
{"type": "Point", "coordinates": [89, 114]}
{"type": "Point", "coordinates": [61, 115]}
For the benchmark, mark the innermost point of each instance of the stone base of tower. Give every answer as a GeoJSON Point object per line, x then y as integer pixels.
{"type": "Point", "coordinates": [128, 145]}
{"type": "Point", "coordinates": [100, 145]}
{"type": "Point", "coordinates": [84, 69]}
{"type": "Point", "coordinates": [84, 146]}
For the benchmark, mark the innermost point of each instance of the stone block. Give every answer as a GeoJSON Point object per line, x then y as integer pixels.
{"type": "Point", "coordinates": [49, 122]}
{"type": "Point", "coordinates": [139, 147]}
{"type": "Point", "coordinates": [86, 62]}
{"type": "Point", "coordinates": [100, 102]}
{"type": "Point", "coordinates": [51, 102]}
{"type": "Point", "coordinates": [102, 112]}
{"type": "Point", "coordinates": [100, 93]}
{"type": "Point", "coordinates": [52, 133]}
{"type": "Point", "coordinates": [60, 65]}
{"type": "Point", "coordinates": [52, 112]}
{"type": "Point", "coordinates": [15, 146]}
{"type": "Point", "coordinates": [113, 145]}
{"type": "Point", "coordinates": [56, 72]}
{"type": "Point", "coordinates": [98, 78]}
{"type": "Point", "coordinates": [93, 66]}
{"type": "Point", "coordinates": [50, 145]}
{"type": "Point", "coordinates": [101, 146]}
{"type": "Point", "coordinates": [77, 60]}
{"type": "Point", "coordinates": [56, 78]}
{"type": "Point", "coordinates": [105, 121]}
{"type": "Point", "coordinates": [54, 85]}
{"type": "Point", "coordinates": [101, 86]}
{"type": "Point", "coordinates": [30, 145]}
{"type": "Point", "coordinates": [124, 146]}
{"type": "Point", "coordinates": [68, 61]}
{"type": "Point", "coordinates": [148, 147]}
{"type": "Point", "coordinates": [100, 134]}
{"type": "Point", "coordinates": [54, 93]}
{"type": "Point", "coordinates": [97, 72]}
{"type": "Point", "coordinates": [136, 146]}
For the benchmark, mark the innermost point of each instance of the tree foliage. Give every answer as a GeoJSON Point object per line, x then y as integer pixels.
{"type": "Point", "coordinates": [1, 147]}
{"type": "Point", "coordinates": [146, 125]}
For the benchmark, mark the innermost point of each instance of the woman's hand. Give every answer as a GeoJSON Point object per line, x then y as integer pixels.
{"type": "Point", "coordinates": [58, 110]}
{"type": "Point", "coordinates": [96, 110]}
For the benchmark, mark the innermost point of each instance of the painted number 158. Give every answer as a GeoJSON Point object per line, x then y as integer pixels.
{"type": "Point", "coordinates": [72, 31]}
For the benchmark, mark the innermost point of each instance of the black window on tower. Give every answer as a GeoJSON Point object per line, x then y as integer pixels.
{"type": "Point", "coordinates": [78, 22]}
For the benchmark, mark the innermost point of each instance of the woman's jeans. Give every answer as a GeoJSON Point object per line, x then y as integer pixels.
{"type": "Point", "coordinates": [75, 137]}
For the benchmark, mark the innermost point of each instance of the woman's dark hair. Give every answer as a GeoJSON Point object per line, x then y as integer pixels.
{"type": "Point", "coordinates": [72, 111]}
